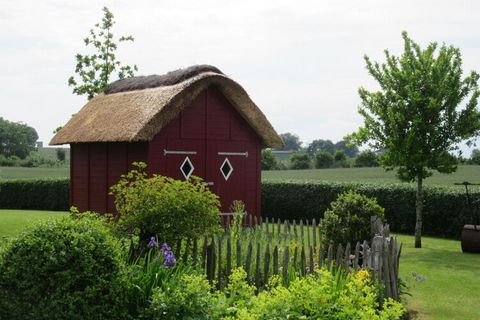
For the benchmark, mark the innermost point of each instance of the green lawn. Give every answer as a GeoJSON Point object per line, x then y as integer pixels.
{"type": "Point", "coordinates": [10, 173]}
{"type": "Point", "coordinates": [451, 289]}
{"type": "Point", "coordinates": [373, 175]}
{"type": "Point", "coordinates": [14, 221]}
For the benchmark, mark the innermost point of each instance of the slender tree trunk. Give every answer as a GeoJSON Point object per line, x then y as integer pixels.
{"type": "Point", "coordinates": [419, 207]}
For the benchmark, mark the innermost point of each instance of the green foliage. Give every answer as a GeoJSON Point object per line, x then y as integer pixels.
{"type": "Point", "coordinates": [188, 298]}
{"type": "Point", "coordinates": [299, 161]}
{"type": "Point", "coordinates": [348, 219]}
{"type": "Point", "coordinates": [366, 158]}
{"type": "Point", "coordinates": [60, 154]}
{"type": "Point", "coordinates": [342, 297]}
{"type": "Point", "coordinates": [415, 117]}
{"type": "Point", "coordinates": [323, 160]}
{"type": "Point", "coordinates": [353, 297]}
{"type": "Point", "coordinates": [320, 145]}
{"type": "Point", "coordinates": [475, 157]}
{"type": "Point", "coordinates": [63, 269]}
{"type": "Point", "coordinates": [350, 151]}
{"type": "Point", "coordinates": [16, 139]}
{"type": "Point", "coordinates": [238, 210]}
{"type": "Point", "coordinates": [269, 161]}
{"type": "Point", "coordinates": [51, 194]}
{"type": "Point", "coordinates": [445, 207]}
{"type": "Point", "coordinates": [148, 274]}
{"type": "Point", "coordinates": [340, 159]}
{"type": "Point", "coordinates": [291, 141]}
{"type": "Point", "coordinates": [94, 70]}
{"type": "Point", "coordinates": [34, 159]}
{"type": "Point", "coordinates": [165, 207]}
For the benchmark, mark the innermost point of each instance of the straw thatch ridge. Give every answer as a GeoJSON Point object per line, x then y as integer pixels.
{"type": "Point", "coordinates": [139, 115]}
{"type": "Point", "coordinates": [154, 81]}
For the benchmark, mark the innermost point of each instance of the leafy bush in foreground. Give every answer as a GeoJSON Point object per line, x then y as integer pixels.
{"type": "Point", "coordinates": [165, 207]}
{"type": "Point", "coordinates": [319, 296]}
{"type": "Point", "coordinates": [348, 219]}
{"type": "Point", "coordinates": [63, 269]}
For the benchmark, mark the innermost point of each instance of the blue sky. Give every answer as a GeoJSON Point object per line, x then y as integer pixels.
{"type": "Point", "coordinates": [300, 61]}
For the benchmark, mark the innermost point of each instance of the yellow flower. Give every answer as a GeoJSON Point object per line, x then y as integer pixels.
{"type": "Point", "coordinates": [362, 275]}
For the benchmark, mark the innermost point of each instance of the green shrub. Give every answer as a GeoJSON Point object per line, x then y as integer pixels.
{"type": "Point", "coordinates": [269, 160]}
{"type": "Point", "coordinates": [62, 269]}
{"type": "Point", "coordinates": [317, 296]}
{"type": "Point", "coordinates": [299, 161]}
{"type": "Point", "coordinates": [189, 298]}
{"type": "Point", "coordinates": [323, 160]}
{"type": "Point", "coordinates": [348, 219]}
{"type": "Point", "coordinates": [342, 297]}
{"type": "Point", "coordinates": [47, 194]}
{"type": "Point", "coordinates": [165, 207]}
{"type": "Point", "coordinates": [340, 159]}
{"type": "Point", "coordinates": [445, 210]}
{"type": "Point", "coordinates": [366, 158]}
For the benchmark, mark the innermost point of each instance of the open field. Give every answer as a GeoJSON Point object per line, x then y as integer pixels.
{"type": "Point", "coordinates": [451, 287]}
{"type": "Point", "coordinates": [11, 173]}
{"type": "Point", "coordinates": [372, 175]}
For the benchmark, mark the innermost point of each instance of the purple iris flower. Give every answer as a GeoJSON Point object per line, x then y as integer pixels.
{"type": "Point", "coordinates": [152, 243]}
{"type": "Point", "coordinates": [167, 255]}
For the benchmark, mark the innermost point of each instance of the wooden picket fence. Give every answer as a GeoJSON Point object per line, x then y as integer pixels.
{"type": "Point", "coordinates": [289, 249]}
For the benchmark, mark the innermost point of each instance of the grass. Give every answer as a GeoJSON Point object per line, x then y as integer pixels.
{"type": "Point", "coordinates": [451, 289]}
{"type": "Point", "coordinates": [11, 173]}
{"type": "Point", "coordinates": [373, 175]}
{"type": "Point", "coordinates": [12, 222]}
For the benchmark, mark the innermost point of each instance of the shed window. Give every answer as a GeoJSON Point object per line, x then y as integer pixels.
{"type": "Point", "coordinates": [187, 168]}
{"type": "Point", "coordinates": [226, 169]}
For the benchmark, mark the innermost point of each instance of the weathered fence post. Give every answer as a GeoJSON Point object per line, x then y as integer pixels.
{"type": "Point", "coordinates": [286, 259]}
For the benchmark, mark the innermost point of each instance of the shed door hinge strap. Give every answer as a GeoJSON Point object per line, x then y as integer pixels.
{"type": "Point", "coordinates": [165, 152]}
{"type": "Point", "coordinates": [244, 154]}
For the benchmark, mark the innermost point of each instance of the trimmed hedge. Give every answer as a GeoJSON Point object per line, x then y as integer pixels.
{"type": "Point", "coordinates": [51, 194]}
{"type": "Point", "coordinates": [445, 210]}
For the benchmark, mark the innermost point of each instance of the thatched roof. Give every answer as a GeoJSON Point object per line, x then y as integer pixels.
{"type": "Point", "coordinates": [136, 109]}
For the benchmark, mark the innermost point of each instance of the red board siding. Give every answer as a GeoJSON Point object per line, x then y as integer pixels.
{"type": "Point", "coordinates": [208, 126]}
{"type": "Point", "coordinates": [219, 112]}
{"type": "Point", "coordinates": [116, 166]}
{"type": "Point", "coordinates": [98, 177]}
{"type": "Point", "coordinates": [96, 167]}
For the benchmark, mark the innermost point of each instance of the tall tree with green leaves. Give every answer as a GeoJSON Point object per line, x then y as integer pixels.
{"type": "Point", "coordinates": [94, 70]}
{"type": "Point", "coordinates": [16, 139]}
{"type": "Point", "coordinates": [291, 141]}
{"type": "Point", "coordinates": [422, 111]}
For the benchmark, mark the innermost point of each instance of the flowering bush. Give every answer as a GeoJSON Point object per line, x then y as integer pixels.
{"type": "Point", "coordinates": [169, 208]}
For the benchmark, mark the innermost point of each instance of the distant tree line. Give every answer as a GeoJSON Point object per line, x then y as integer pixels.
{"type": "Point", "coordinates": [18, 147]}
{"type": "Point", "coordinates": [323, 154]}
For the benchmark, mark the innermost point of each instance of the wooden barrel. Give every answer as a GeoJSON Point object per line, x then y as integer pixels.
{"type": "Point", "coordinates": [471, 238]}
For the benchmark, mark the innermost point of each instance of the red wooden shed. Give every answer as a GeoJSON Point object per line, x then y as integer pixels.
{"type": "Point", "coordinates": [193, 121]}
